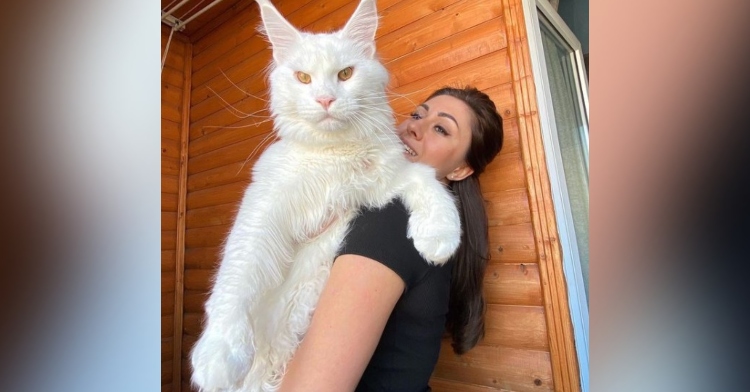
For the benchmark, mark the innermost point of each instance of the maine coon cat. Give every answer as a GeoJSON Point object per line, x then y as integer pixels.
{"type": "Point", "coordinates": [337, 151]}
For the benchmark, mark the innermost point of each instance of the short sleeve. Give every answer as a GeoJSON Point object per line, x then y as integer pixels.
{"type": "Point", "coordinates": [380, 234]}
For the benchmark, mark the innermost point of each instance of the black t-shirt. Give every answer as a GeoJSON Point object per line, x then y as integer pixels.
{"type": "Point", "coordinates": [409, 347]}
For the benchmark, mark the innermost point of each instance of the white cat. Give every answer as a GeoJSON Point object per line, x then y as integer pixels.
{"type": "Point", "coordinates": [337, 152]}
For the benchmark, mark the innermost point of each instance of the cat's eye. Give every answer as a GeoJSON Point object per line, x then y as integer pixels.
{"type": "Point", "coordinates": [303, 77]}
{"type": "Point", "coordinates": [345, 73]}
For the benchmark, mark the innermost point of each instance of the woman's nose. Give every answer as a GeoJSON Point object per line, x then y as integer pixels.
{"type": "Point", "coordinates": [414, 129]}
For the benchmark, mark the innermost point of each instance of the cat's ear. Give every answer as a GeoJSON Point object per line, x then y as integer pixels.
{"type": "Point", "coordinates": [280, 33]}
{"type": "Point", "coordinates": [362, 26]}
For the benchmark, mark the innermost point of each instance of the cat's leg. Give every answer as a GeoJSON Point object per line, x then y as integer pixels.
{"type": "Point", "coordinates": [434, 223]}
{"type": "Point", "coordinates": [256, 253]}
{"type": "Point", "coordinates": [290, 306]}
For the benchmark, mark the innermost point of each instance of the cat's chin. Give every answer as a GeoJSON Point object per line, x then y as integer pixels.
{"type": "Point", "coordinates": [330, 124]}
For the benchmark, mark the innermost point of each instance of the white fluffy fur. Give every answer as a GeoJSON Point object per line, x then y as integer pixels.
{"type": "Point", "coordinates": [306, 188]}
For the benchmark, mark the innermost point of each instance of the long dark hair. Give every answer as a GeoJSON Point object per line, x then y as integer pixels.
{"type": "Point", "coordinates": [465, 320]}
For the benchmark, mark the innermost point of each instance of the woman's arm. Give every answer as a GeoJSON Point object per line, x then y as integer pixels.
{"type": "Point", "coordinates": [346, 327]}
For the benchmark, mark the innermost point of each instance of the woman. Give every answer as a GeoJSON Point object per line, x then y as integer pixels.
{"type": "Point", "coordinates": [380, 318]}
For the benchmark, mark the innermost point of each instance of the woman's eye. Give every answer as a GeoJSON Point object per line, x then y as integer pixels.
{"type": "Point", "coordinates": [441, 130]}
{"type": "Point", "coordinates": [415, 116]}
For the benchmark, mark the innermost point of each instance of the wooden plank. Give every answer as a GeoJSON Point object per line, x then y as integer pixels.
{"type": "Point", "coordinates": [166, 372]}
{"type": "Point", "coordinates": [516, 326]}
{"type": "Point", "coordinates": [238, 55]}
{"type": "Point", "coordinates": [176, 46]}
{"type": "Point", "coordinates": [198, 279]}
{"type": "Point", "coordinates": [168, 239]}
{"type": "Point", "coordinates": [194, 302]}
{"type": "Point", "coordinates": [223, 194]}
{"type": "Point", "coordinates": [167, 348]}
{"type": "Point", "coordinates": [168, 201]}
{"type": "Point", "coordinates": [188, 341]}
{"type": "Point", "coordinates": [227, 174]}
{"type": "Point", "coordinates": [170, 148]}
{"type": "Point", "coordinates": [484, 72]}
{"type": "Point", "coordinates": [460, 48]}
{"type": "Point", "coordinates": [170, 166]}
{"type": "Point", "coordinates": [192, 324]}
{"type": "Point", "coordinates": [174, 60]}
{"type": "Point", "coordinates": [241, 113]}
{"type": "Point", "coordinates": [220, 24]}
{"type": "Point", "coordinates": [170, 93]}
{"type": "Point", "coordinates": [205, 237]}
{"type": "Point", "coordinates": [241, 151]}
{"type": "Point", "coordinates": [241, 91]}
{"type": "Point", "coordinates": [167, 282]}
{"type": "Point", "coordinates": [402, 13]}
{"type": "Point", "coordinates": [511, 141]}
{"type": "Point", "coordinates": [497, 367]}
{"type": "Point", "coordinates": [221, 215]}
{"type": "Point", "coordinates": [172, 77]}
{"type": "Point", "coordinates": [512, 284]}
{"type": "Point", "coordinates": [452, 19]}
{"type": "Point", "coordinates": [169, 184]}
{"type": "Point", "coordinates": [170, 111]}
{"type": "Point", "coordinates": [443, 385]}
{"type": "Point", "coordinates": [167, 260]}
{"type": "Point", "coordinates": [170, 129]}
{"type": "Point", "coordinates": [504, 173]}
{"type": "Point", "coordinates": [245, 68]}
{"type": "Point", "coordinates": [167, 325]}
{"type": "Point", "coordinates": [513, 244]}
{"type": "Point", "coordinates": [245, 100]}
{"type": "Point", "coordinates": [167, 304]}
{"type": "Point", "coordinates": [168, 220]}
{"type": "Point", "coordinates": [509, 207]}
{"type": "Point", "coordinates": [202, 258]}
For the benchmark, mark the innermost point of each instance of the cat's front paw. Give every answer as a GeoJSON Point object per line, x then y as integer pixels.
{"type": "Point", "coordinates": [220, 359]}
{"type": "Point", "coordinates": [436, 240]}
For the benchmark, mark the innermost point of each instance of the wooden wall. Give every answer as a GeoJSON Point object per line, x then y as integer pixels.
{"type": "Point", "coordinates": [175, 77]}
{"type": "Point", "coordinates": [425, 44]}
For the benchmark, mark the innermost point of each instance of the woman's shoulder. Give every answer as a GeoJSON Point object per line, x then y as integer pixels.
{"type": "Point", "coordinates": [381, 235]}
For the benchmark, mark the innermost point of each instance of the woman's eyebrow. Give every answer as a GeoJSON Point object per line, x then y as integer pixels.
{"type": "Point", "coordinates": [441, 114]}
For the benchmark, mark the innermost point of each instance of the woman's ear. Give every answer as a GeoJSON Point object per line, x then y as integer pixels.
{"type": "Point", "coordinates": [460, 172]}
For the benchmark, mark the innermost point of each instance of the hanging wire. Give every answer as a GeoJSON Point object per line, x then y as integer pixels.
{"type": "Point", "coordinates": [166, 50]}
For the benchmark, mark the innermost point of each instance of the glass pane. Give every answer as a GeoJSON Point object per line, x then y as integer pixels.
{"type": "Point", "coordinates": [572, 134]}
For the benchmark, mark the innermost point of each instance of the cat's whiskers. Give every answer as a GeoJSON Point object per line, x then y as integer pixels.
{"type": "Point", "coordinates": [376, 129]}
{"type": "Point", "coordinates": [254, 124]}
{"type": "Point", "coordinates": [268, 139]}
{"type": "Point", "coordinates": [232, 109]}
{"type": "Point", "coordinates": [240, 88]}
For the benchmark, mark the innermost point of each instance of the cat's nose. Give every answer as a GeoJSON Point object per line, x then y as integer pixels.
{"type": "Point", "coordinates": [325, 101]}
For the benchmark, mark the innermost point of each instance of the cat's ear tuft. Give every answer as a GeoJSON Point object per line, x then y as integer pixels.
{"type": "Point", "coordinates": [362, 26]}
{"type": "Point", "coordinates": [279, 32]}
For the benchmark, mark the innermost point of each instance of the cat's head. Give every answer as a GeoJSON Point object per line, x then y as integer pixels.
{"type": "Point", "coordinates": [326, 87]}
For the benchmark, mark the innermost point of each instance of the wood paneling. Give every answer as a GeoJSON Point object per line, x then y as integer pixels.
{"type": "Point", "coordinates": [497, 367]}
{"type": "Point", "coordinates": [554, 291]}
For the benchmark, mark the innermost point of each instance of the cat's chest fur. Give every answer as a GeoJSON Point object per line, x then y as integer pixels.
{"type": "Point", "coordinates": [344, 174]}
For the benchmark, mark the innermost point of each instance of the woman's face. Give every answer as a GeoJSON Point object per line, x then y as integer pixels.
{"type": "Point", "coordinates": [438, 134]}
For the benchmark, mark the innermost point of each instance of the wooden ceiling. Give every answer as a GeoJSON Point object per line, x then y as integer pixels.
{"type": "Point", "coordinates": [206, 21]}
